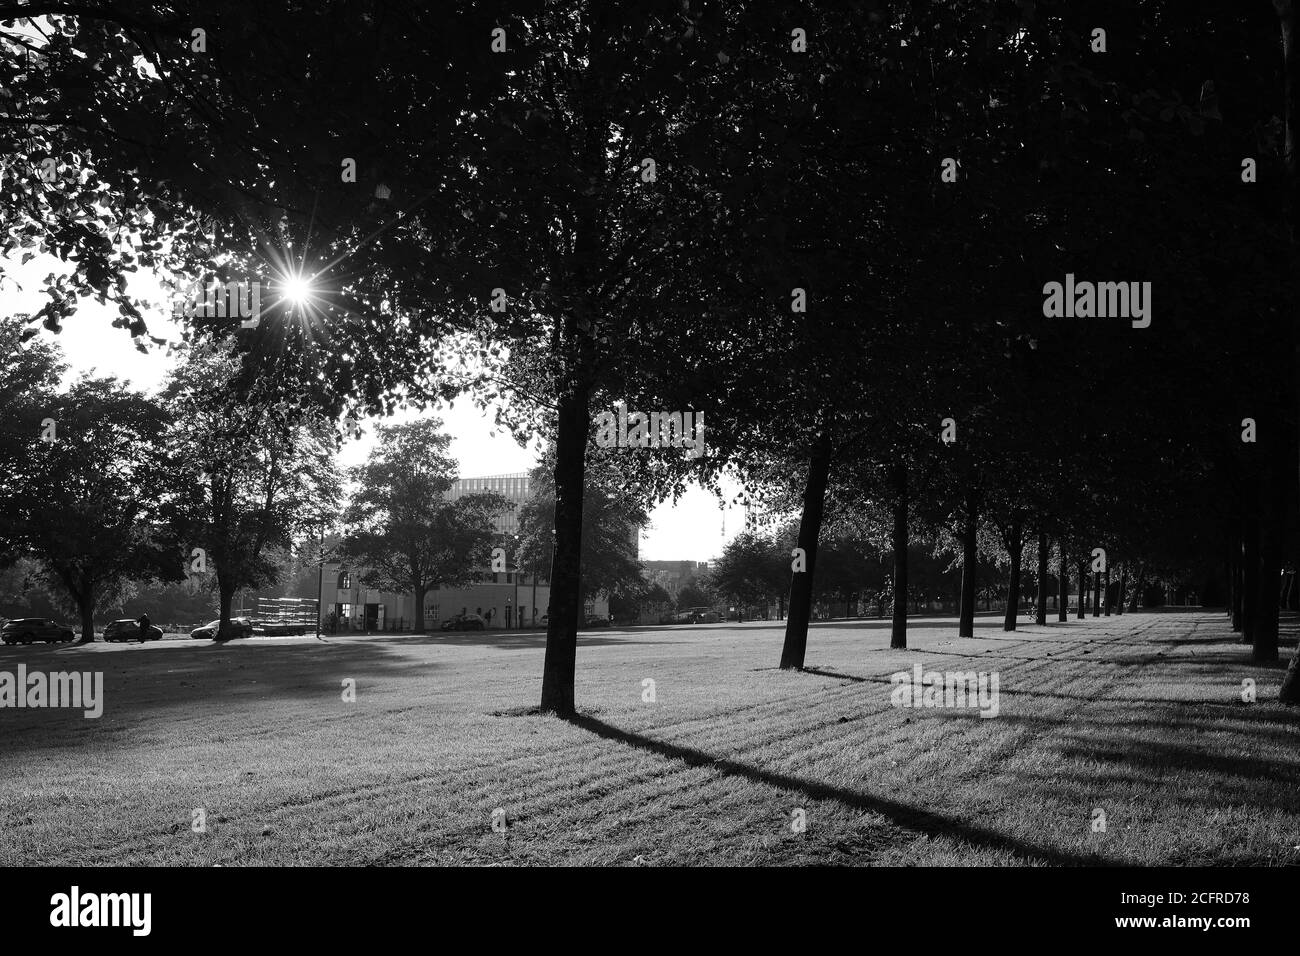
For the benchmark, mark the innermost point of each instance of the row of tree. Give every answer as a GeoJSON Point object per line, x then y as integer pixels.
{"type": "Point", "coordinates": [830, 227]}
{"type": "Point", "coordinates": [109, 497]}
{"type": "Point", "coordinates": [106, 488]}
{"type": "Point", "coordinates": [858, 576]}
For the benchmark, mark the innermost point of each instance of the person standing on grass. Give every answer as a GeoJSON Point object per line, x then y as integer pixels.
{"type": "Point", "coordinates": [143, 622]}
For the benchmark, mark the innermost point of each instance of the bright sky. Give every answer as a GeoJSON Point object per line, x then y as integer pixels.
{"type": "Point", "coordinates": [690, 530]}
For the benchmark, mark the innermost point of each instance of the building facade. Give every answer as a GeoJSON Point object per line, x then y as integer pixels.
{"type": "Point", "coordinates": [672, 576]}
{"type": "Point", "coordinates": [507, 600]}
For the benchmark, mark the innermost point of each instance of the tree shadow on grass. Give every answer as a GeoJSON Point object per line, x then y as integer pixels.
{"type": "Point", "coordinates": [1148, 756]}
{"type": "Point", "coordinates": [1230, 702]}
{"type": "Point", "coordinates": [901, 814]}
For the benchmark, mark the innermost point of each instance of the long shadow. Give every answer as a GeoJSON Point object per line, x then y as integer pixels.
{"type": "Point", "coordinates": [1142, 755]}
{"type": "Point", "coordinates": [904, 815]}
{"type": "Point", "coordinates": [854, 678]}
{"type": "Point", "coordinates": [1232, 704]}
{"type": "Point", "coordinates": [1228, 640]}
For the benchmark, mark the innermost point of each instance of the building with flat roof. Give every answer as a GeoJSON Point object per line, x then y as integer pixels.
{"type": "Point", "coordinates": [506, 599]}
{"type": "Point", "coordinates": [513, 487]}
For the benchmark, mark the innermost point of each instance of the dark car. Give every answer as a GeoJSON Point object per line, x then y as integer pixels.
{"type": "Point", "coordinates": [241, 626]}
{"type": "Point", "coordinates": [593, 620]}
{"type": "Point", "coordinates": [29, 630]}
{"type": "Point", "coordinates": [464, 622]}
{"type": "Point", "coordinates": [702, 615]}
{"type": "Point", "coordinates": [678, 617]}
{"type": "Point", "coordinates": [126, 629]}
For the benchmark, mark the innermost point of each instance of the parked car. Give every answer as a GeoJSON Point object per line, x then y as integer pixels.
{"type": "Point", "coordinates": [242, 626]}
{"type": "Point", "coordinates": [464, 622]}
{"type": "Point", "coordinates": [28, 630]}
{"type": "Point", "coordinates": [691, 615]}
{"type": "Point", "coordinates": [126, 629]}
{"type": "Point", "coordinates": [703, 615]}
{"type": "Point", "coordinates": [595, 620]}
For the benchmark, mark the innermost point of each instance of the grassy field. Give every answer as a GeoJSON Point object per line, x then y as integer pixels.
{"type": "Point", "coordinates": [1139, 716]}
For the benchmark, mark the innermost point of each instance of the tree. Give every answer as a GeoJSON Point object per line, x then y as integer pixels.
{"type": "Point", "coordinates": [693, 595]}
{"type": "Point", "coordinates": [259, 470]}
{"type": "Point", "coordinates": [613, 514]}
{"type": "Point", "coordinates": [28, 374]}
{"type": "Point", "coordinates": [400, 524]}
{"type": "Point", "coordinates": [90, 501]}
{"type": "Point", "coordinates": [654, 600]}
{"type": "Point", "coordinates": [751, 570]}
{"type": "Point", "coordinates": [531, 171]}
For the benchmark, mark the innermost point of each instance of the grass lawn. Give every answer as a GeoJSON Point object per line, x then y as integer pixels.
{"type": "Point", "coordinates": [1140, 716]}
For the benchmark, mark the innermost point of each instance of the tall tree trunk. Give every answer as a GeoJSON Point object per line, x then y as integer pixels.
{"type": "Point", "coordinates": [801, 583]}
{"type": "Point", "coordinates": [1264, 640]}
{"type": "Point", "coordinates": [225, 597]}
{"type": "Point", "coordinates": [898, 628]}
{"type": "Point", "coordinates": [1063, 587]}
{"type": "Point", "coordinates": [86, 611]}
{"type": "Point", "coordinates": [1014, 546]}
{"type": "Point", "coordinates": [572, 344]}
{"type": "Point", "coordinates": [1250, 578]}
{"type": "Point", "coordinates": [969, 570]}
{"type": "Point", "coordinates": [559, 668]}
{"type": "Point", "coordinates": [1106, 591]}
{"type": "Point", "coordinates": [418, 611]}
{"type": "Point", "coordinates": [1096, 593]}
{"type": "Point", "coordinates": [1040, 616]}
{"type": "Point", "coordinates": [1238, 567]}
{"type": "Point", "coordinates": [1083, 587]}
{"type": "Point", "coordinates": [1123, 583]}
{"type": "Point", "coordinates": [1231, 584]}
{"type": "Point", "coordinates": [1290, 692]}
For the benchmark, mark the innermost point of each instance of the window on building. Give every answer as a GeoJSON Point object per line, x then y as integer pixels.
{"type": "Point", "coordinates": [345, 580]}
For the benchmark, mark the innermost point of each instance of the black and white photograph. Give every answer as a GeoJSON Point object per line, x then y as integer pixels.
{"type": "Point", "coordinates": [610, 436]}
